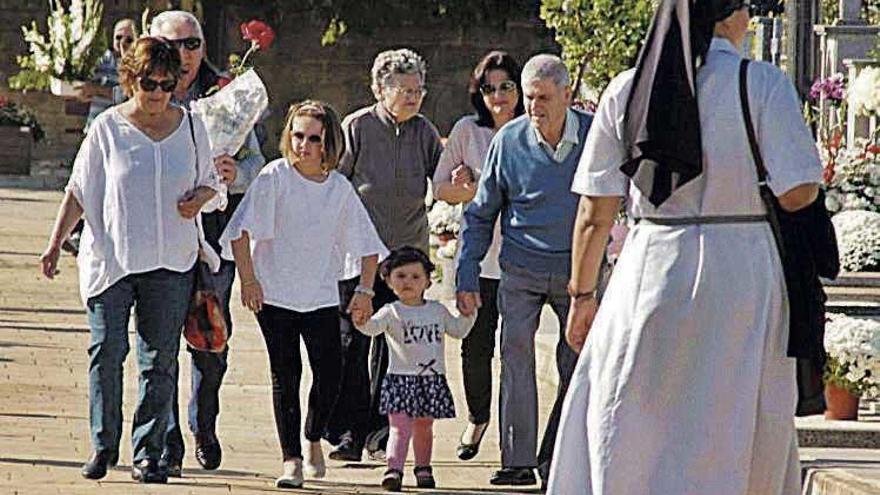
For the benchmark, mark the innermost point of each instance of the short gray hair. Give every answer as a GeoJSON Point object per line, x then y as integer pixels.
{"type": "Point", "coordinates": [546, 66]}
{"type": "Point", "coordinates": [170, 17]}
{"type": "Point", "coordinates": [400, 61]}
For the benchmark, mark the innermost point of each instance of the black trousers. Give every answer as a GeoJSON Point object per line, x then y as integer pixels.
{"type": "Point", "coordinates": [357, 410]}
{"type": "Point", "coordinates": [282, 329]}
{"type": "Point", "coordinates": [477, 350]}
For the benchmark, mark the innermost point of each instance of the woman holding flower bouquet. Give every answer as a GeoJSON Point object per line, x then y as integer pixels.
{"type": "Point", "coordinates": [137, 183]}
{"type": "Point", "coordinates": [298, 230]}
{"type": "Point", "coordinates": [496, 96]}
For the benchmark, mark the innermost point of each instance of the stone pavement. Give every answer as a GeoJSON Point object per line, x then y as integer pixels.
{"type": "Point", "coordinates": [44, 415]}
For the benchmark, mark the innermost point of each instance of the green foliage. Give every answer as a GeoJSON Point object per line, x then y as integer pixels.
{"type": "Point", "coordinates": [13, 114]}
{"type": "Point", "coordinates": [599, 38]}
{"type": "Point", "coordinates": [28, 77]}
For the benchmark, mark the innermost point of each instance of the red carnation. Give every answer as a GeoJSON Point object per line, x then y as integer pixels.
{"type": "Point", "coordinates": [259, 33]}
{"type": "Point", "coordinates": [223, 81]}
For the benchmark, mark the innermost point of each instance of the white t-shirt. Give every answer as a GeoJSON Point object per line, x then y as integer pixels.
{"type": "Point", "coordinates": [128, 186]}
{"type": "Point", "coordinates": [415, 335]}
{"type": "Point", "coordinates": [301, 233]}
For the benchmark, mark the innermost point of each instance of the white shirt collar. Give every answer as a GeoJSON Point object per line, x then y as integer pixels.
{"type": "Point", "coordinates": [569, 133]}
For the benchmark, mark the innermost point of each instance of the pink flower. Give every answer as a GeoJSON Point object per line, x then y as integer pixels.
{"type": "Point", "coordinates": [259, 33]}
{"type": "Point", "coordinates": [223, 81]}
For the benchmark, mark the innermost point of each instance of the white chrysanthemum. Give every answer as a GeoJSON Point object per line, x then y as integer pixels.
{"type": "Point", "coordinates": [856, 180]}
{"type": "Point", "coordinates": [864, 93]}
{"type": "Point", "coordinates": [853, 345]}
{"type": "Point", "coordinates": [444, 218]}
{"type": "Point", "coordinates": [858, 239]}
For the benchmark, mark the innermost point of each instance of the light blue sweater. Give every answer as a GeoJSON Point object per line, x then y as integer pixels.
{"type": "Point", "coordinates": [532, 193]}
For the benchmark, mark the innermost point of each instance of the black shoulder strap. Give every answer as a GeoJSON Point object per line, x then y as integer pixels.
{"type": "Point", "coordinates": [192, 134]}
{"type": "Point", "coordinates": [747, 117]}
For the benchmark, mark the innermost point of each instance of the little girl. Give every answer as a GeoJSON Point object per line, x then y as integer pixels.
{"type": "Point", "coordinates": [299, 229]}
{"type": "Point", "coordinates": [414, 392]}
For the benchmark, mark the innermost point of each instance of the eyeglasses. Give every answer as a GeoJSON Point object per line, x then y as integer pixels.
{"type": "Point", "coordinates": [504, 87]}
{"type": "Point", "coordinates": [312, 138]}
{"type": "Point", "coordinates": [120, 37]}
{"type": "Point", "coordinates": [166, 85]}
{"type": "Point", "coordinates": [419, 92]}
{"type": "Point", "coordinates": [190, 44]}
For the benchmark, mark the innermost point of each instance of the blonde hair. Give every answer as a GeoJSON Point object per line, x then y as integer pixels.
{"type": "Point", "coordinates": [333, 144]}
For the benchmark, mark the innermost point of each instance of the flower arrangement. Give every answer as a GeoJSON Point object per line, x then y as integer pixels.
{"type": "Point", "coordinates": [444, 219]}
{"type": "Point", "coordinates": [852, 178]}
{"type": "Point", "coordinates": [858, 240]}
{"type": "Point", "coordinates": [864, 94]}
{"type": "Point", "coordinates": [69, 51]}
{"type": "Point", "coordinates": [832, 89]}
{"type": "Point", "coordinates": [12, 114]}
{"type": "Point", "coordinates": [853, 346]}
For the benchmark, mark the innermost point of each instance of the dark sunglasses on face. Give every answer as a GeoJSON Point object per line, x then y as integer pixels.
{"type": "Point", "coordinates": [127, 39]}
{"type": "Point", "coordinates": [149, 85]}
{"type": "Point", "coordinates": [190, 44]}
{"type": "Point", "coordinates": [504, 86]}
{"type": "Point", "coordinates": [312, 139]}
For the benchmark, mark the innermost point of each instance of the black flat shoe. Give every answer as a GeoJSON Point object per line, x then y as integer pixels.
{"type": "Point", "coordinates": [467, 451]}
{"type": "Point", "coordinates": [148, 471]}
{"type": "Point", "coordinates": [172, 467]}
{"type": "Point", "coordinates": [99, 461]}
{"type": "Point", "coordinates": [346, 451]}
{"type": "Point", "coordinates": [424, 477]}
{"type": "Point", "coordinates": [392, 480]}
{"type": "Point", "coordinates": [209, 455]}
{"type": "Point", "coordinates": [513, 477]}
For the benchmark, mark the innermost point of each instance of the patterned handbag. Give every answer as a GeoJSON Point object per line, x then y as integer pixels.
{"type": "Point", "coordinates": [205, 328]}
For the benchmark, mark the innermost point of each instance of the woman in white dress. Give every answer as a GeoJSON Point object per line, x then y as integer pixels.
{"type": "Point", "coordinates": [683, 386]}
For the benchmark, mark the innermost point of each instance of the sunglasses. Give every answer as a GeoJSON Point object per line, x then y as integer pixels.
{"type": "Point", "coordinates": [312, 139]}
{"type": "Point", "coordinates": [504, 87]}
{"type": "Point", "coordinates": [166, 85]}
{"type": "Point", "coordinates": [127, 39]}
{"type": "Point", "coordinates": [190, 44]}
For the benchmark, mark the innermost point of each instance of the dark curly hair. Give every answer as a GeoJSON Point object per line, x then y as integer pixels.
{"type": "Point", "coordinates": [494, 60]}
{"type": "Point", "coordinates": [148, 55]}
{"type": "Point", "coordinates": [404, 256]}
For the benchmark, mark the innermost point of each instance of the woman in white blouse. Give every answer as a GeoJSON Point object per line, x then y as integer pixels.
{"type": "Point", "coordinates": [299, 230]}
{"type": "Point", "coordinates": [139, 179]}
{"type": "Point", "coordinates": [497, 98]}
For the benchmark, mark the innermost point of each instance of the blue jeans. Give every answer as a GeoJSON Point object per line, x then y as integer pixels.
{"type": "Point", "coordinates": [208, 369]}
{"type": "Point", "coordinates": [160, 299]}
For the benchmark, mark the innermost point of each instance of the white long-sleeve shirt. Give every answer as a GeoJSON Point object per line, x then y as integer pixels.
{"type": "Point", "coordinates": [415, 335]}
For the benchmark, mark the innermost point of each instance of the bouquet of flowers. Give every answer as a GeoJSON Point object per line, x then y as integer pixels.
{"type": "Point", "coordinates": [858, 239]}
{"type": "Point", "coordinates": [444, 219]}
{"type": "Point", "coordinates": [69, 51]}
{"type": "Point", "coordinates": [853, 346]}
{"type": "Point", "coordinates": [864, 94]}
{"type": "Point", "coordinates": [853, 178]}
{"type": "Point", "coordinates": [12, 114]}
{"type": "Point", "coordinates": [230, 113]}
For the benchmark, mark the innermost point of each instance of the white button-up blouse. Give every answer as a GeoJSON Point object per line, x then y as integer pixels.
{"type": "Point", "coordinates": [128, 186]}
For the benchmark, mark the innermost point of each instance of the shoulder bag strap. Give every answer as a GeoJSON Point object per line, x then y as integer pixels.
{"type": "Point", "coordinates": [192, 134]}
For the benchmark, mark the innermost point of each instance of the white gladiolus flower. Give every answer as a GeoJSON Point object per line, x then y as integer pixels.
{"type": "Point", "coordinates": [864, 93]}
{"type": "Point", "coordinates": [69, 50]}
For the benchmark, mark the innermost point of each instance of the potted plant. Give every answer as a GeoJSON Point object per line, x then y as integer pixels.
{"type": "Point", "coordinates": [19, 128]}
{"type": "Point", "coordinates": [853, 366]}
{"type": "Point", "coordinates": [67, 54]}
{"type": "Point", "coordinates": [858, 240]}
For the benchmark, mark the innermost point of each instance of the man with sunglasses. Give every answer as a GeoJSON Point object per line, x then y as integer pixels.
{"type": "Point", "coordinates": [183, 31]}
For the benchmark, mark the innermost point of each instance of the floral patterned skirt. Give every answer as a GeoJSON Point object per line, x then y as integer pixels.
{"type": "Point", "coordinates": [417, 396]}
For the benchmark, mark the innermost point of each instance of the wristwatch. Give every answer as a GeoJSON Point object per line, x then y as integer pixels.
{"type": "Point", "coordinates": [360, 289]}
{"type": "Point", "coordinates": [577, 296]}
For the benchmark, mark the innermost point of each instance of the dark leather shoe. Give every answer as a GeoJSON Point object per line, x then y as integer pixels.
{"type": "Point", "coordinates": [513, 477]}
{"type": "Point", "coordinates": [346, 451]}
{"type": "Point", "coordinates": [209, 455]}
{"type": "Point", "coordinates": [424, 477]}
{"type": "Point", "coordinates": [467, 451]}
{"type": "Point", "coordinates": [172, 467]}
{"type": "Point", "coordinates": [99, 461]}
{"type": "Point", "coordinates": [148, 471]}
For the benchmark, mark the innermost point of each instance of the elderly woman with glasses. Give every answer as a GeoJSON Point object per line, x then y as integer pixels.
{"type": "Point", "coordinates": [139, 180]}
{"type": "Point", "coordinates": [391, 152]}
{"type": "Point", "coordinates": [496, 97]}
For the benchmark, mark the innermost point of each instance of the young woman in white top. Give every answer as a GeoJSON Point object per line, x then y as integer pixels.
{"type": "Point", "coordinates": [137, 183]}
{"type": "Point", "coordinates": [299, 230]}
{"type": "Point", "coordinates": [497, 98]}
{"type": "Point", "coordinates": [414, 391]}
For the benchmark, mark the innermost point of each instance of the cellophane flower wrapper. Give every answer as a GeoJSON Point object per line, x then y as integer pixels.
{"type": "Point", "coordinates": [231, 113]}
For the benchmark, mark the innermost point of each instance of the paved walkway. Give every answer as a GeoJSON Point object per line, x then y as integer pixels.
{"type": "Point", "coordinates": [43, 390]}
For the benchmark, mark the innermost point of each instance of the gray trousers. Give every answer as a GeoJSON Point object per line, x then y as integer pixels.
{"type": "Point", "coordinates": [521, 296]}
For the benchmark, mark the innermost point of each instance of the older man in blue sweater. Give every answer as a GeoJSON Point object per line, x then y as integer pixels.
{"type": "Point", "coordinates": [526, 180]}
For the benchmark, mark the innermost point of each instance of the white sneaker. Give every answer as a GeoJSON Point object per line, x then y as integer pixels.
{"type": "Point", "coordinates": [314, 461]}
{"type": "Point", "coordinates": [292, 475]}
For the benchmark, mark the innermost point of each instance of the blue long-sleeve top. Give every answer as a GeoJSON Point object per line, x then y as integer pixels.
{"type": "Point", "coordinates": [531, 192]}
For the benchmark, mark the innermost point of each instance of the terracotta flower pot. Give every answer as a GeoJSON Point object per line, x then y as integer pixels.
{"type": "Point", "coordinates": [842, 405]}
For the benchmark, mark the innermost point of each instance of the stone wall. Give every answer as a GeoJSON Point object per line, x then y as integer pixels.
{"type": "Point", "coordinates": [297, 66]}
